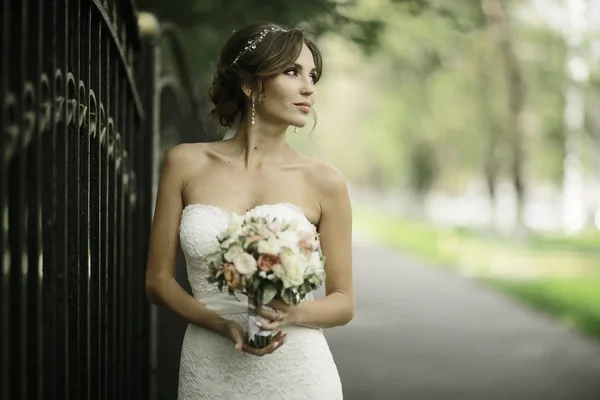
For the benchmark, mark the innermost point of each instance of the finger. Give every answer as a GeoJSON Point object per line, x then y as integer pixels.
{"type": "Point", "coordinates": [277, 304]}
{"type": "Point", "coordinates": [276, 342]}
{"type": "Point", "coordinates": [270, 315]}
{"type": "Point", "coordinates": [238, 339]}
{"type": "Point", "coordinates": [274, 345]}
{"type": "Point", "coordinates": [252, 350]}
{"type": "Point", "coordinates": [279, 339]}
{"type": "Point", "coordinates": [261, 351]}
{"type": "Point", "coordinates": [267, 325]}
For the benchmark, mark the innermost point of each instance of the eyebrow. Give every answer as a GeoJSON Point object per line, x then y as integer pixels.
{"type": "Point", "coordinates": [300, 67]}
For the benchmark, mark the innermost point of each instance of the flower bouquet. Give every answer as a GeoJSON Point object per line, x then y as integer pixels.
{"type": "Point", "coordinates": [266, 259]}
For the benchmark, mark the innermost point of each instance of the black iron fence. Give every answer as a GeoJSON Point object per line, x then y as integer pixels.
{"type": "Point", "coordinates": [79, 93]}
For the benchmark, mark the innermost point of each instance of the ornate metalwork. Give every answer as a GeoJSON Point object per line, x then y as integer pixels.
{"type": "Point", "coordinates": [76, 195]}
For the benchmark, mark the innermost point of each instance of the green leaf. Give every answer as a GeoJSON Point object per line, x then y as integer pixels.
{"type": "Point", "coordinates": [256, 283]}
{"type": "Point", "coordinates": [305, 288]}
{"type": "Point", "coordinates": [315, 280]}
{"type": "Point", "coordinates": [268, 293]}
{"type": "Point", "coordinates": [287, 297]}
{"type": "Point", "coordinates": [252, 248]}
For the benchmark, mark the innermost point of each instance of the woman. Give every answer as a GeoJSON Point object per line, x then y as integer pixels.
{"type": "Point", "coordinates": [264, 83]}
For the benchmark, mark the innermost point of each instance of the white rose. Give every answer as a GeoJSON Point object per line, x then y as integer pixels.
{"type": "Point", "coordinates": [265, 232]}
{"type": "Point", "coordinates": [270, 246]}
{"type": "Point", "coordinates": [314, 264]}
{"type": "Point", "coordinates": [293, 225]}
{"type": "Point", "coordinates": [292, 271]}
{"type": "Point", "coordinates": [233, 252]}
{"type": "Point", "coordinates": [275, 225]}
{"type": "Point", "coordinates": [289, 239]}
{"type": "Point", "coordinates": [229, 241]}
{"type": "Point", "coordinates": [244, 263]}
{"type": "Point", "coordinates": [306, 235]}
{"type": "Point", "coordinates": [235, 224]}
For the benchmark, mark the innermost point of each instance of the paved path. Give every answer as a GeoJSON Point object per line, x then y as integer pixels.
{"type": "Point", "coordinates": [426, 334]}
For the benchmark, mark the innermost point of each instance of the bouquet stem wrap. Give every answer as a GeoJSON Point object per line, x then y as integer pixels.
{"type": "Point", "coordinates": [257, 337]}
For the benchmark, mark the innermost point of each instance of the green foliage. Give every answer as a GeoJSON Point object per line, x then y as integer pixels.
{"type": "Point", "coordinates": [207, 23]}
{"type": "Point", "coordinates": [543, 60]}
{"type": "Point", "coordinates": [268, 292]}
{"type": "Point", "coordinates": [433, 87]}
{"type": "Point", "coordinates": [441, 117]}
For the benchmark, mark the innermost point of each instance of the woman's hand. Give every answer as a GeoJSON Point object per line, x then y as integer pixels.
{"type": "Point", "coordinates": [235, 333]}
{"type": "Point", "coordinates": [282, 315]}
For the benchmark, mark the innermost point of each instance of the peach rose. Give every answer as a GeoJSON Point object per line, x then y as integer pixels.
{"type": "Point", "coordinates": [232, 277]}
{"type": "Point", "coordinates": [254, 238]}
{"type": "Point", "coordinates": [266, 262]}
{"type": "Point", "coordinates": [306, 247]}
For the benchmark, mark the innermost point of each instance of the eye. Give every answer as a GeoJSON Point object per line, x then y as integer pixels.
{"type": "Point", "coordinates": [291, 72]}
{"type": "Point", "coordinates": [294, 72]}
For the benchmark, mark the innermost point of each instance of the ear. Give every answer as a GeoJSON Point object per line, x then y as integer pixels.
{"type": "Point", "coordinates": [247, 91]}
{"type": "Point", "coordinates": [252, 88]}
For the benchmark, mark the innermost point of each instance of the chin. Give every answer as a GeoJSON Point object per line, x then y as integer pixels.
{"type": "Point", "coordinates": [299, 123]}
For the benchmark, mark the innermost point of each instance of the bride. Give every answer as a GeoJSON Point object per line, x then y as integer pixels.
{"type": "Point", "coordinates": [264, 83]}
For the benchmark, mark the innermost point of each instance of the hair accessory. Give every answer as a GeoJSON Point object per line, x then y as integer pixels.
{"type": "Point", "coordinates": [254, 42]}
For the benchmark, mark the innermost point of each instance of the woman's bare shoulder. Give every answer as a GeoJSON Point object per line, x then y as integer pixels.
{"type": "Point", "coordinates": [324, 177]}
{"type": "Point", "coordinates": [188, 158]}
{"type": "Point", "coordinates": [325, 182]}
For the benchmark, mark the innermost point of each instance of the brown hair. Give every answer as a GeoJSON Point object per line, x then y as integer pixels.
{"type": "Point", "coordinates": [277, 51]}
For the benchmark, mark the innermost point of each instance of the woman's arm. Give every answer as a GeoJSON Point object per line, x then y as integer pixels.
{"type": "Point", "coordinates": [161, 287]}
{"type": "Point", "coordinates": [335, 228]}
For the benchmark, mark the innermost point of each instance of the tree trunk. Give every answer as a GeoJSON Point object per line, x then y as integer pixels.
{"type": "Point", "coordinates": [491, 161]}
{"type": "Point", "coordinates": [498, 18]}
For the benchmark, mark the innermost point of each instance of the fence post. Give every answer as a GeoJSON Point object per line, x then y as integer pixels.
{"type": "Point", "coordinates": [148, 76]}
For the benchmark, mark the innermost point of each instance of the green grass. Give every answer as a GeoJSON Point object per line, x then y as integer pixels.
{"type": "Point", "coordinates": [576, 303]}
{"type": "Point", "coordinates": [587, 242]}
{"type": "Point", "coordinates": [563, 273]}
{"type": "Point", "coordinates": [413, 236]}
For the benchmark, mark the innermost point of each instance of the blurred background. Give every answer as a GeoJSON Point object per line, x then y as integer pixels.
{"type": "Point", "coordinates": [468, 132]}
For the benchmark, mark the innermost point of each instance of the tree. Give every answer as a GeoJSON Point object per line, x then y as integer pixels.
{"type": "Point", "coordinates": [498, 18]}
{"type": "Point", "coordinates": [206, 24]}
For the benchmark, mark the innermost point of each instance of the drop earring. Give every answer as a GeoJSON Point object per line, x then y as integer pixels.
{"type": "Point", "coordinates": [295, 129]}
{"type": "Point", "coordinates": [253, 121]}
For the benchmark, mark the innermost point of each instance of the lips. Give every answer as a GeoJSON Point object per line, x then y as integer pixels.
{"type": "Point", "coordinates": [303, 106]}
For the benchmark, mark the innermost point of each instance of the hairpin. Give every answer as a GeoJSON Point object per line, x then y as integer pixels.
{"type": "Point", "coordinates": [254, 42]}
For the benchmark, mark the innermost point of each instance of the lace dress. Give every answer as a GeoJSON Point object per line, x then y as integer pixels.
{"type": "Point", "coordinates": [210, 367]}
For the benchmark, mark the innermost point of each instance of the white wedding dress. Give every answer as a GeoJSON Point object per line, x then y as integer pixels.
{"type": "Point", "coordinates": [211, 368]}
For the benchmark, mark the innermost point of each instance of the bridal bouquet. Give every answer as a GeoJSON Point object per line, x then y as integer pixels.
{"type": "Point", "coordinates": [266, 259]}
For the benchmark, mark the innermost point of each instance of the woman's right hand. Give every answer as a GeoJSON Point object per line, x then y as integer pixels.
{"type": "Point", "coordinates": [236, 334]}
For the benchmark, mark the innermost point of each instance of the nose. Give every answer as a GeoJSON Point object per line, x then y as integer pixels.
{"type": "Point", "coordinates": [308, 88]}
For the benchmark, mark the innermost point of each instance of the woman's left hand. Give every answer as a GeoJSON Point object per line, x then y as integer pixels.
{"type": "Point", "coordinates": [282, 315]}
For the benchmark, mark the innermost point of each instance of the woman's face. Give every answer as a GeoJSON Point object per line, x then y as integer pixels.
{"type": "Point", "coordinates": [289, 96]}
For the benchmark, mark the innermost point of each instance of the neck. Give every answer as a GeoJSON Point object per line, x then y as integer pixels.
{"type": "Point", "coordinates": [261, 143]}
